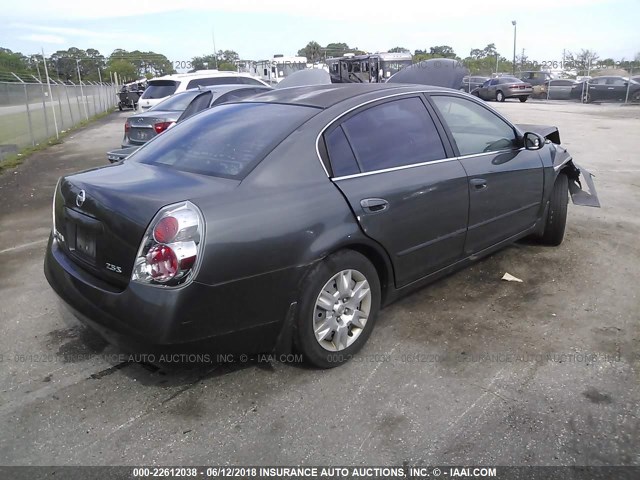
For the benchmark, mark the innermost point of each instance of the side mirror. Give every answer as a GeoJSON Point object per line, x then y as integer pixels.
{"type": "Point", "coordinates": [533, 141]}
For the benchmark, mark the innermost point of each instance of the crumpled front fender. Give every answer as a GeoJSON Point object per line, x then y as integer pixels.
{"type": "Point", "coordinates": [579, 196]}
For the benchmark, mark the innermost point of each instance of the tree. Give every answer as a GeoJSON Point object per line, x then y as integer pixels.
{"type": "Point", "coordinates": [203, 63]}
{"type": "Point", "coordinates": [442, 51]}
{"type": "Point", "coordinates": [339, 49]}
{"type": "Point", "coordinates": [145, 63]}
{"type": "Point", "coordinates": [126, 70]}
{"type": "Point", "coordinates": [12, 61]}
{"type": "Point", "coordinates": [488, 51]}
{"type": "Point", "coordinates": [67, 62]}
{"type": "Point", "coordinates": [582, 61]}
{"type": "Point", "coordinates": [313, 52]}
{"type": "Point", "coordinates": [399, 50]}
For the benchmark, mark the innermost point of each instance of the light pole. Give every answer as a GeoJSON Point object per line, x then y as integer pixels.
{"type": "Point", "coordinates": [513, 22]}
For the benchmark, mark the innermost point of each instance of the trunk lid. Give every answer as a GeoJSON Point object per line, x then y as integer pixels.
{"type": "Point", "coordinates": [102, 214]}
{"type": "Point", "coordinates": [141, 125]}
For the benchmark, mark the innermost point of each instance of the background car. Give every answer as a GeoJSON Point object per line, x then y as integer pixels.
{"type": "Point", "coordinates": [535, 77]}
{"type": "Point", "coordinates": [607, 88]}
{"type": "Point", "coordinates": [162, 87]}
{"type": "Point", "coordinates": [469, 83]}
{"type": "Point", "coordinates": [559, 89]}
{"type": "Point", "coordinates": [537, 80]}
{"type": "Point", "coordinates": [142, 127]}
{"type": "Point", "coordinates": [501, 88]}
{"type": "Point", "coordinates": [287, 220]}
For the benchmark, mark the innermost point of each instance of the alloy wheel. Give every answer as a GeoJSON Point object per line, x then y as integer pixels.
{"type": "Point", "coordinates": [342, 310]}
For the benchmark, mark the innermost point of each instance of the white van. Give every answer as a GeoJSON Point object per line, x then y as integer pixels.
{"type": "Point", "coordinates": [162, 87]}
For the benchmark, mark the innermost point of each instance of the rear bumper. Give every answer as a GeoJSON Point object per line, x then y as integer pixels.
{"type": "Point", "coordinates": [518, 93]}
{"type": "Point", "coordinates": [245, 316]}
{"type": "Point", "coordinates": [127, 143]}
{"type": "Point", "coordinates": [120, 154]}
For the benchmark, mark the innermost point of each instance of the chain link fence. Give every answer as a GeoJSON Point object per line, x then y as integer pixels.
{"type": "Point", "coordinates": [31, 111]}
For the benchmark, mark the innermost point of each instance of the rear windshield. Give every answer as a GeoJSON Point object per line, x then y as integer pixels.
{"type": "Point", "coordinates": [225, 141]}
{"type": "Point", "coordinates": [230, 80]}
{"type": "Point", "coordinates": [510, 80]}
{"type": "Point", "coordinates": [176, 103]}
{"type": "Point", "coordinates": [160, 89]}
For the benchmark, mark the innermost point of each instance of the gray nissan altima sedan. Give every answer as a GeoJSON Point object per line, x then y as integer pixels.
{"type": "Point", "coordinates": [287, 220]}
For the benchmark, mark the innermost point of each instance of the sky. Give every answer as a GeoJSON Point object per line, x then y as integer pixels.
{"type": "Point", "coordinates": [257, 30]}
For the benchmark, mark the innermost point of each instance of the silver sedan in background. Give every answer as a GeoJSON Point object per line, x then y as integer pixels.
{"type": "Point", "coordinates": [142, 127]}
{"type": "Point", "coordinates": [501, 88]}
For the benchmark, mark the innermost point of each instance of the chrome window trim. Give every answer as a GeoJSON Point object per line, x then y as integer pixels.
{"type": "Point", "coordinates": [482, 154]}
{"type": "Point", "coordinates": [393, 169]}
{"type": "Point", "coordinates": [422, 164]}
{"type": "Point", "coordinates": [401, 167]}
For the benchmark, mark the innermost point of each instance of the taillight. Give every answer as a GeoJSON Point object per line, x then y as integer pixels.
{"type": "Point", "coordinates": [162, 126]}
{"type": "Point", "coordinates": [166, 230]}
{"type": "Point", "coordinates": [127, 127]}
{"type": "Point", "coordinates": [171, 246]}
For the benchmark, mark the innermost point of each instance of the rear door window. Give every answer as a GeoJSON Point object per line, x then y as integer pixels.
{"type": "Point", "coordinates": [393, 134]}
{"type": "Point", "coordinates": [618, 82]}
{"type": "Point", "coordinates": [343, 161]}
{"type": "Point", "coordinates": [201, 102]}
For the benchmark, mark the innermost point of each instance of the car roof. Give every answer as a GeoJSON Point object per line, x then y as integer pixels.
{"type": "Point", "coordinates": [325, 96]}
{"type": "Point", "coordinates": [201, 74]}
{"type": "Point", "coordinates": [227, 88]}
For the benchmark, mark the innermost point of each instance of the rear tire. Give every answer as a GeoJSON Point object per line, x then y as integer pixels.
{"type": "Point", "coordinates": [499, 96]}
{"type": "Point", "coordinates": [325, 336]}
{"type": "Point", "coordinates": [557, 214]}
{"type": "Point", "coordinates": [524, 99]}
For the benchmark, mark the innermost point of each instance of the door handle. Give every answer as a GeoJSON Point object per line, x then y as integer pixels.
{"type": "Point", "coordinates": [478, 183]}
{"type": "Point", "coordinates": [374, 205]}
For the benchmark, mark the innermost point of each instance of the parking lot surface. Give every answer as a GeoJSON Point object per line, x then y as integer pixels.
{"type": "Point", "coordinates": [470, 370]}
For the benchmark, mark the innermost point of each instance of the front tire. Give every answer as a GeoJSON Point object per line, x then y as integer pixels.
{"type": "Point", "coordinates": [499, 96]}
{"type": "Point", "coordinates": [338, 309]}
{"type": "Point", "coordinates": [557, 214]}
